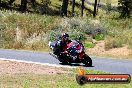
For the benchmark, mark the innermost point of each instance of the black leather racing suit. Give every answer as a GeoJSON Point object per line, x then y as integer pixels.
{"type": "Point", "coordinates": [60, 46]}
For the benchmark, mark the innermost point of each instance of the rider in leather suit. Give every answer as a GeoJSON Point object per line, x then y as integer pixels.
{"type": "Point", "coordinates": [61, 45]}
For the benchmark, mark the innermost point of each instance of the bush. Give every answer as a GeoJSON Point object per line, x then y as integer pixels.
{"type": "Point", "coordinates": [18, 45]}
{"type": "Point", "coordinates": [77, 30]}
{"type": "Point", "coordinates": [99, 37]}
{"type": "Point", "coordinates": [72, 28]}
{"type": "Point", "coordinates": [53, 36]}
{"type": "Point", "coordinates": [113, 43]}
{"type": "Point", "coordinates": [39, 45]}
{"type": "Point", "coordinates": [96, 32]}
{"type": "Point", "coordinates": [55, 33]}
{"type": "Point", "coordinates": [74, 23]}
{"type": "Point", "coordinates": [89, 45]}
{"type": "Point", "coordinates": [77, 35]}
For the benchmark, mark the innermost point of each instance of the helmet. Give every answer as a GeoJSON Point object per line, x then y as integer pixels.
{"type": "Point", "coordinates": [65, 36]}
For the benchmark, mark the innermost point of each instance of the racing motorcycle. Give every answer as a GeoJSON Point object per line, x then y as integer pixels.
{"type": "Point", "coordinates": [74, 53]}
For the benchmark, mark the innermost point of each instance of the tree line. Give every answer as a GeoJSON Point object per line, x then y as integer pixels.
{"type": "Point", "coordinates": [23, 5]}
{"type": "Point", "coordinates": [124, 6]}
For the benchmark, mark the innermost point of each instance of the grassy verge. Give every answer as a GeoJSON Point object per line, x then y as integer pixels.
{"type": "Point", "coordinates": [51, 81]}
{"type": "Point", "coordinates": [129, 57]}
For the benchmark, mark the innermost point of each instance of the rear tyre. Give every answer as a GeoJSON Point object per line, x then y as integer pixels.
{"type": "Point", "coordinates": [87, 61]}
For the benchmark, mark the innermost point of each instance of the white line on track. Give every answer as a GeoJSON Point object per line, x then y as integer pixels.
{"type": "Point", "coordinates": [38, 63]}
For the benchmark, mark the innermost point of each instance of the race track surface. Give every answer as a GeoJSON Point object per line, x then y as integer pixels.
{"type": "Point", "coordinates": [101, 64]}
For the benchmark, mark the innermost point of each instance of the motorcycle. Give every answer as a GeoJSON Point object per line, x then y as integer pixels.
{"type": "Point", "coordinates": [73, 53]}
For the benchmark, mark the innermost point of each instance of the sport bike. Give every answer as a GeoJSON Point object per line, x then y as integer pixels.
{"type": "Point", "coordinates": [74, 52]}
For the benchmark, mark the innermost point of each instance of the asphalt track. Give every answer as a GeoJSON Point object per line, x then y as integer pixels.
{"type": "Point", "coordinates": [101, 64]}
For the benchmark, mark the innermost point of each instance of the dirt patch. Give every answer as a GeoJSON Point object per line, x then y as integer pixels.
{"type": "Point", "coordinates": [99, 49]}
{"type": "Point", "coordinates": [11, 67]}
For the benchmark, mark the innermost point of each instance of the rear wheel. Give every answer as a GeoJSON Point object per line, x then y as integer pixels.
{"type": "Point", "coordinates": [87, 61]}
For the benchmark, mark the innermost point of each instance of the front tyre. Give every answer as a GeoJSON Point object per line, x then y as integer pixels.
{"type": "Point", "coordinates": [62, 59]}
{"type": "Point", "coordinates": [87, 61]}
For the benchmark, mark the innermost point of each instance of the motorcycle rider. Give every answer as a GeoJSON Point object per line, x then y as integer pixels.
{"type": "Point", "coordinates": [61, 45]}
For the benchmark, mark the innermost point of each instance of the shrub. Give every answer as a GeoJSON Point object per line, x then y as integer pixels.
{"type": "Point", "coordinates": [74, 23]}
{"type": "Point", "coordinates": [39, 45]}
{"type": "Point", "coordinates": [18, 45]}
{"type": "Point", "coordinates": [89, 45]}
{"type": "Point", "coordinates": [96, 32]}
{"type": "Point", "coordinates": [55, 33]}
{"type": "Point", "coordinates": [52, 35]}
{"type": "Point", "coordinates": [113, 43]}
{"type": "Point", "coordinates": [72, 28]}
{"type": "Point", "coordinates": [77, 35]}
{"type": "Point", "coordinates": [99, 37]}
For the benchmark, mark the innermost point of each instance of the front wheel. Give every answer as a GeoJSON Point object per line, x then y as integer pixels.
{"type": "Point", "coordinates": [62, 59]}
{"type": "Point", "coordinates": [87, 61]}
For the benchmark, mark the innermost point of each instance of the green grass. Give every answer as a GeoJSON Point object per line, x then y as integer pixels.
{"type": "Point", "coordinates": [67, 80]}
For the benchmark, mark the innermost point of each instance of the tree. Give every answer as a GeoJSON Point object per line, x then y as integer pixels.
{"type": "Point", "coordinates": [11, 1]}
{"type": "Point", "coordinates": [82, 7]}
{"type": "Point", "coordinates": [125, 6]}
{"type": "Point", "coordinates": [95, 5]}
{"type": "Point", "coordinates": [98, 5]}
{"type": "Point", "coordinates": [73, 6]}
{"type": "Point", "coordinates": [64, 8]}
{"type": "Point", "coordinates": [0, 3]}
{"type": "Point", "coordinates": [33, 2]}
{"type": "Point", "coordinates": [23, 6]}
{"type": "Point", "coordinates": [45, 6]}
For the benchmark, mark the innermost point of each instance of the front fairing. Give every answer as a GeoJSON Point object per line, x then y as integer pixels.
{"type": "Point", "coordinates": [74, 48]}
